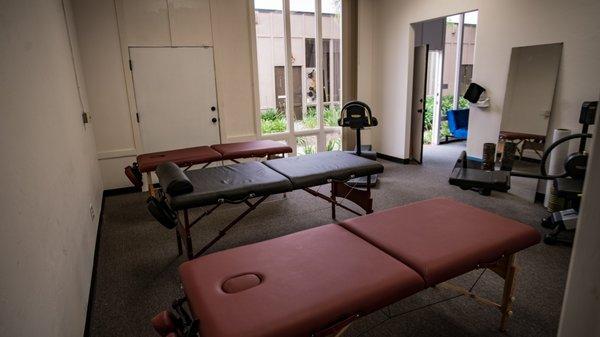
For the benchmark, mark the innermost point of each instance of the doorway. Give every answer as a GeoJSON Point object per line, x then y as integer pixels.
{"type": "Point", "coordinates": [451, 42]}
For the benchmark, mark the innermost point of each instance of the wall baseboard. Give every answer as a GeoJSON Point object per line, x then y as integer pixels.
{"type": "Point", "coordinates": [404, 161]}
{"type": "Point", "coordinates": [120, 191]}
{"type": "Point", "coordinates": [92, 293]}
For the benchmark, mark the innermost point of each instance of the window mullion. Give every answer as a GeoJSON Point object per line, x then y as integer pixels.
{"type": "Point", "coordinates": [289, 89]}
{"type": "Point", "coordinates": [459, 43]}
{"type": "Point", "coordinates": [319, 70]}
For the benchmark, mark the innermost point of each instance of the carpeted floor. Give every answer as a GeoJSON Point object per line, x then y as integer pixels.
{"type": "Point", "coordinates": [137, 259]}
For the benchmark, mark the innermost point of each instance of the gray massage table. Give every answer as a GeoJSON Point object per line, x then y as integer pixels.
{"type": "Point", "coordinates": [251, 183]}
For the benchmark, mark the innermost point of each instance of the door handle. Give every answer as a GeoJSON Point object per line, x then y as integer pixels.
{"type": "Point", "coordinates": [420, 111]}
{"type": "Point", "coordinates": [214, 120]}
{"type": "Point", "coordinates": [212, 108]}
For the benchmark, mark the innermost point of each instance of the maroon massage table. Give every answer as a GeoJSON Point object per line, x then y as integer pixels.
{"type": "Point", "coordinates": [188, 157]}
{"type": "Point", "coordinates": [318, 281]}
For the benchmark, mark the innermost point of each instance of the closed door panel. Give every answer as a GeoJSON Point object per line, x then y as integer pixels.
{"type": "Point", "coordinates": [175, 96]}
{"type": "Point", "coordinates": [418, 103]}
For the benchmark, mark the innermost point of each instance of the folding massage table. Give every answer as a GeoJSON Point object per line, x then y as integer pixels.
{"type": "Point", "coordinates": [188, 157]}
{"type": "Point", "coordinates": [318, 281]}
{"type": "Point", "coordinates": [251, 183]}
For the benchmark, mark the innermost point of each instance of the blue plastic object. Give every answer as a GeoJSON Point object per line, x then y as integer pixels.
{"type": "Point", "coordinates": [458, 123]}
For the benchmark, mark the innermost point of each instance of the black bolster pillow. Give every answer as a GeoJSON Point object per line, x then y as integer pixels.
{"type": "Point", "coordinates": [173, 179]}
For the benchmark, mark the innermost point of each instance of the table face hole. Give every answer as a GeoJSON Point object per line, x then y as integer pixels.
{"type": "Point", "coordinates": [240, 283]}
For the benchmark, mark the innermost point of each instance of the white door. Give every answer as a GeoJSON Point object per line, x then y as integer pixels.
{"type": "Point", "coordinates": [175, 96]}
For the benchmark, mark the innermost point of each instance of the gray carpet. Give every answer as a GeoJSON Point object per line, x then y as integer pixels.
{"type": "Point", "coordinates": [137, 259]}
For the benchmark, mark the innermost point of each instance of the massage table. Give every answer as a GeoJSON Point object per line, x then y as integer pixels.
{"type": "Point", "coordinates": [188, 157]}
{"type": "Point", "coordinates": [528, 141]}
{"type": "Point", "coordinates": [318, 281]}
{"type": "Point", "coordinates": [251, 183]}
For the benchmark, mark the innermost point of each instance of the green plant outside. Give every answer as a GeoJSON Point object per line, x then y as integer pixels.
{"type": "Point", "coordinates": [334, 144]}
{"type": "Point", "coordinates": [306, 147]}
{"type": "Point", "coordinates": [274, 121]}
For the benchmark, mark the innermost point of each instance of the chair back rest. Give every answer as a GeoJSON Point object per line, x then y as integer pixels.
{"type": "Point", "coordinates": [458, 119]}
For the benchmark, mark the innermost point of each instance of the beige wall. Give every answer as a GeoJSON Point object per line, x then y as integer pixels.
{"type": "Point", "coordinates": [581, 305]}
{"type": "Point", "coordinates": [50, 177]}
{"type": "Point", "coordinates": [502, 25]}
{"type": "Point", "coordinates": [105, 31]}
{"type": "Point", "coordinates": [365, 66]}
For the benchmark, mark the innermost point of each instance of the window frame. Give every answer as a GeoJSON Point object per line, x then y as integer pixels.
{"type": "Point", "coordinates": [291, 134]}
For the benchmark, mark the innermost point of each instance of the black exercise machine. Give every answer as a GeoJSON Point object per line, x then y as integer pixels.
{"type": "Point", "coordinates": [468, 174]}
{"type": "Point", "coordinates": [356, 115]}
{"type": "Point", "coordinates": [568, 185]}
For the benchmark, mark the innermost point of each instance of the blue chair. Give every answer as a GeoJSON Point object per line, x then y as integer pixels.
{"type": "Point", "coordinates": [458, 123]}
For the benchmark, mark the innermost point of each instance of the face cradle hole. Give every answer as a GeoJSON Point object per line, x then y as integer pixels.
{"type": "Point", "coordinates": [241, 283]}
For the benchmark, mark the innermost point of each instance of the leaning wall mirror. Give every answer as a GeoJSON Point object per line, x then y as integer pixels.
{"type": "Point", "coordinates": [528, 99]}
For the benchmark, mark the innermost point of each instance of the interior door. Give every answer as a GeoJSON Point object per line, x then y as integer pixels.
{"type": "Point", "coordinates": [175, 96]}
{"type": "Point", "coordinates": [418, 103]}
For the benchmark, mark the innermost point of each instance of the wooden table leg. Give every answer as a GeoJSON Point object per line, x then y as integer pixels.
{"type": "Point", "coordinates": [179, 247]}
{"type": "Point", "coordinates": [187, 235]}
{"type": "Point", "coordinates": [150, 184]}
{"type": "Point", "coordinates": [333, 194]}
{"type": "Point", "coordinates": [509, 272]}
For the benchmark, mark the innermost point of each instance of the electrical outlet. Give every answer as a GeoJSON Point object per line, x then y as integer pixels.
{"type": "Point", "coordinates": [92, 213]}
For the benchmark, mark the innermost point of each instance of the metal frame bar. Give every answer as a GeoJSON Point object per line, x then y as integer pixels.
{"type": "Point", "coordinates": [458, 63]}
{"type": "Point", "coordinates": [506, 267]}
{"type": "Point", "coordinates": [339, 188]}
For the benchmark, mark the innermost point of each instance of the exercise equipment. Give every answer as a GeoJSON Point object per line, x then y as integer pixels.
{"type": "Point", "coordinates": [569, 184]}
{"type": "Point", "coordinates": [201, 155]}
{"type": "Point", "coordinates": [251, 183]}
{"type": "Point", "coordinates": [319, 281]}
{"type": "Point", "coordinates": [357, 115]}
{"type": "Point", "coordinates": [468, 174]}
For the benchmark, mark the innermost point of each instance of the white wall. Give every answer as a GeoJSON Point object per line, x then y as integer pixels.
{"type": "Point", "coordinates": [50, 177]}
{"type": "Point", "coordinates": [581, 306]}
{"type": "Point", "coordinates": [502, 25]}
{"type": "Point", "coordinates": [366, 44]}
{"type": "Point", "coordinates": [105, 31]}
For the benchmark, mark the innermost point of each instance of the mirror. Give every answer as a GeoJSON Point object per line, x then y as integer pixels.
{"type": "Point", "coordinates": [528, 99]}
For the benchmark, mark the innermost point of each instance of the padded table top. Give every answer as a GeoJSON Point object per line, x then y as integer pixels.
{"type": "Point", "coordinates": [293, 285]}
{"type": "Point", "coordinates": [317, 169]}
{"type": "Point", "coordinates": [442, 238]}
{"type": "Point", "coordinates": [182, 157]}
{"type": "Point", "coordinates": [231, 182]}
{"type": "Point", "coordinates": [251, 149]}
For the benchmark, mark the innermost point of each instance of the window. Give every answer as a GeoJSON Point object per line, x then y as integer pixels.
{"type": "Point", "coordinates": [299, 83]}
